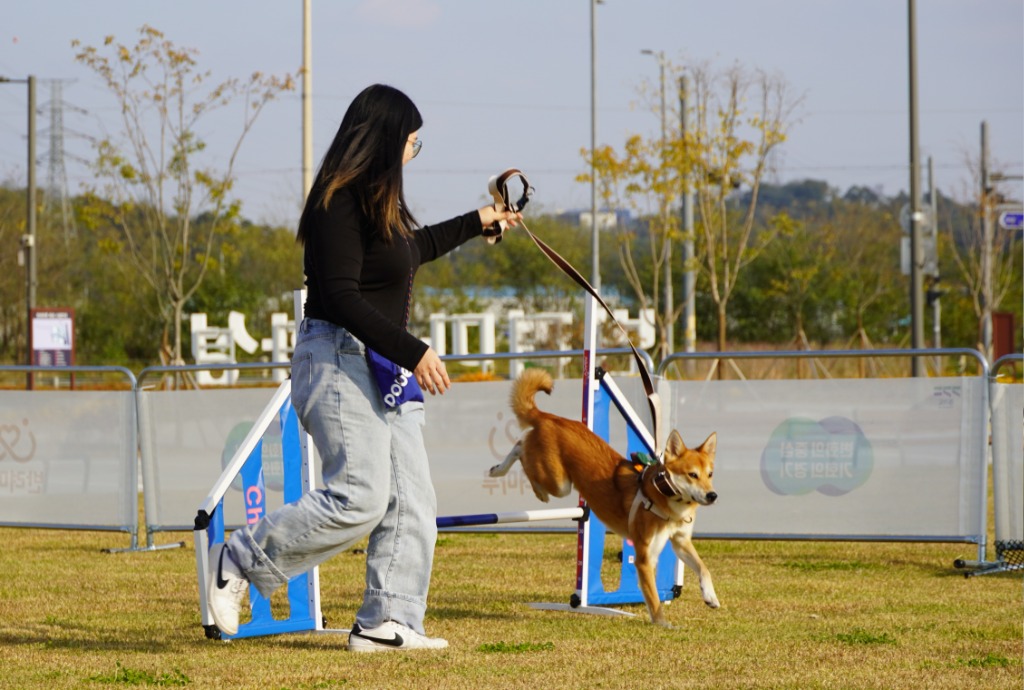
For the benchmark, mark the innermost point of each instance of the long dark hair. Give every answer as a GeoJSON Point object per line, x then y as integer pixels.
{"type": "Point", "coordinates": [366, 157]}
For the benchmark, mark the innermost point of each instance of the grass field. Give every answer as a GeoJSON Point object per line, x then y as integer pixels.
{"type": "Point", "coordinates": [794, 615]}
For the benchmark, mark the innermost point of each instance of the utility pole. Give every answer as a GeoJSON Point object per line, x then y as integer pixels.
{"type": "Point", "coordinates": [689, 278]}
{"type": "Point", "coordinates": [307, 99]}
{"type": "Point", "coordinates": [987, 232]}
{"type": "Point", "coordinates": [934, 294]}
{"type": "Point", "coordinates": [30, 238]}
{"type": "Point", "coordinates": [916, 216]}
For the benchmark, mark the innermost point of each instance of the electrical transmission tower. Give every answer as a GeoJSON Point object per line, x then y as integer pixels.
{"type": "Point", "coordinates": [58, 201]}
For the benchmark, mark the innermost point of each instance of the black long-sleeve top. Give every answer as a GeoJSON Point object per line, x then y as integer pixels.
{"type": "Point", "coordinates": [357, 281]}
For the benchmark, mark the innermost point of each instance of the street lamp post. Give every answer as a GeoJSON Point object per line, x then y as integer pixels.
{"type": "Point", "coordinates": [916, 215]}
{"type": "Point", "coordinates": [28, 240]}
{"type": "Point", "coordinates": [595, 245]}
{"type": "Point", "coordinates": [689, 276]}
{"type": "Point", "coordinates": [669, 299]}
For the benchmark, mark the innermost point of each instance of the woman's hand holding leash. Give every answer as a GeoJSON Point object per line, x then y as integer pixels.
{"type": "Point", "coordinates": [504, 204]}
{"type": "Point", "coordinates": [489, 215]}
{"type": "Point", "coordinates": [431, 374]}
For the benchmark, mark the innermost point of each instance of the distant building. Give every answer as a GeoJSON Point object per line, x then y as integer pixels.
{"type": "Point", "coordinates": [606, 220]}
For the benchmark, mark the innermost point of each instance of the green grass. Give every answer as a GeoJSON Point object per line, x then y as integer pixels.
{"type": "Point", "coordinates": [794, 615]}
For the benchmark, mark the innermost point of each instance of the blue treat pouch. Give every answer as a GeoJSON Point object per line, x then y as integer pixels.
{"type": "Point", "coordinates": [397, 385]}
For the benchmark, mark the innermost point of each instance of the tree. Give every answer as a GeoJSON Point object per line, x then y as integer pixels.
{"type": "Point", "coordinates": [153, 182]}
{"type": "Point", "coordinates": [257, 270]}
{"type": "Point", "coordinates": [986, 257]}
{"type": "Point", "coordinates": [726, 149]}
{"type": "Point", "coordinates": [799, 259]}
{"type": "Point", "coordinates": [872, 292]}
{"type": "Point", "coordinates": [643, 180]}
{"type": "Point", "coordinates": [723, 160]}
{"type": "Point", "coordinates": [12, 276]}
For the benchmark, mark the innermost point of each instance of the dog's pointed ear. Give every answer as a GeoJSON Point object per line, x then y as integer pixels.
{"type": "Point", "coordinates": [710, 444]}
{"type": "Point", "coordinates": [675, 444]}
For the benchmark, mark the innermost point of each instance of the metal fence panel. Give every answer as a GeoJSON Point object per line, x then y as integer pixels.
{"type": "Point", "coordinates": [68, 458]}
{"type": "Point", "coordinates": [840, 458]}
{"type": "Point", "coordinates": [1008, 463]}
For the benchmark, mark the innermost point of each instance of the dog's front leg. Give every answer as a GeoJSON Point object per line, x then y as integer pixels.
{"type": "Point", "coordinates": [501, 469]}
{"type": "Point", "coordinates": [683, 547]}
{"type": "Point", "coordinates": [645, 575]}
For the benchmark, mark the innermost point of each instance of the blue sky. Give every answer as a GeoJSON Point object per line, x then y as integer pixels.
{"type": "Point", "coordinates": [508, 84]}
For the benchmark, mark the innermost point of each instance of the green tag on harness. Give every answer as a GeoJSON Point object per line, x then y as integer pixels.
{"type": "Point", "coordinates": [641, 458]}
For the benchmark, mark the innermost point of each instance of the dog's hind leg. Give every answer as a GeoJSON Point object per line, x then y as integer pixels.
{"type": "Point", "coordinates": [501, 469]}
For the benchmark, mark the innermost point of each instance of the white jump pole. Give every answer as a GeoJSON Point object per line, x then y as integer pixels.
{"type": "Point", "coordinates": [500, 518]}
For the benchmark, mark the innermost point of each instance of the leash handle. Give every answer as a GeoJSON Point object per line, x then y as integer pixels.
{"type": "Point", "coordinates": [498, 187]}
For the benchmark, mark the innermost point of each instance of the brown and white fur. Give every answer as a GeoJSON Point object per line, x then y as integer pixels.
{"type": "Point", "coordinates": [558, 454]}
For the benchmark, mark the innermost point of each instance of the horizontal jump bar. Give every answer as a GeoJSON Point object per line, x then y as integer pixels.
{"type": "Point", "coordinates": [522, 516]}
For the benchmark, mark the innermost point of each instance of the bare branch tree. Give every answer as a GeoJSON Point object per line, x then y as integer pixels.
{"type": "Point", "coordinates": [728, 148]}
{"type": "Point", "coordinates": [170, 209]}
{"type": "Point", "coordinates": [731, 148]}
{"type": "Point", "coordinates": [985, 260]}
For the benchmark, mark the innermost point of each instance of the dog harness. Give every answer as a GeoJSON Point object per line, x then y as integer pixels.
{"type": "Point", "coordinates": [662, 481]}
{"type": "Point", "coordinates": [641, 500]}
{"type": "Point", "coordinates": [498, 187]}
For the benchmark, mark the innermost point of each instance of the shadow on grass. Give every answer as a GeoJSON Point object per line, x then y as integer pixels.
{"type": "Point", "coordinates": [79, 642]}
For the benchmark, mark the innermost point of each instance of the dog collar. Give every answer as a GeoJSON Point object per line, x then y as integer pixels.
{"type": "Point", "coordinates": [498, 187]}
{"type": "Point", "coordinates": [664, 484]}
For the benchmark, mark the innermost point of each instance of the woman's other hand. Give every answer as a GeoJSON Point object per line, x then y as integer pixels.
{"type": "Point", "coordinates": [431, 374]}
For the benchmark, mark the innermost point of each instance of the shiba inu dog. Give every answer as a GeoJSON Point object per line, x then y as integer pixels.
{"type": "Point", "coordinates": [648, 505]}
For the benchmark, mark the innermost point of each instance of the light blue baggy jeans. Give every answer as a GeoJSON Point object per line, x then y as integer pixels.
{"type": "Point", "coordinates": [376, 481]}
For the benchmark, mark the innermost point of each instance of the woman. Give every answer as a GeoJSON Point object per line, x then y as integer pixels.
{"type": "Point", "coordinates": [360, 256]}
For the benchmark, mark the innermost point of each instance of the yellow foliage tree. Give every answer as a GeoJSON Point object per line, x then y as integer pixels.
{"type": "Point", "coordinates": [740, 117]}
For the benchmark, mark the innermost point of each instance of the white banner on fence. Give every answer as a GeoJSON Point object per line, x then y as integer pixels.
{"type": "Point", "coordinates": [1008, 460]}
{"type": "Point", "coordinates": [67, 459]}
{"type": "Point", "coordinates": [844, 457]}
{"type": "Point", "coordinates": [187, 439]}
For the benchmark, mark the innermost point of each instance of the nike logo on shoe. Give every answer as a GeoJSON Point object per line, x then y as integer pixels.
{"type": "Point", "coordinates": [395, 641]}
{"type": "Point", "coordinates": [221, 582]}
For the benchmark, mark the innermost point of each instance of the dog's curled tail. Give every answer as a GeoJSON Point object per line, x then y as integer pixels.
{"type": "Point", "coordinates": [523, 391]}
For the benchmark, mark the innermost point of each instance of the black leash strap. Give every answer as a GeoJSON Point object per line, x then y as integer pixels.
{"type": "Point", "coordinates": [500, 183]}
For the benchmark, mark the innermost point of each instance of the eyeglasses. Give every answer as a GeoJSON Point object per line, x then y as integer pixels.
{"type": "Point", "coordinates": [416, 146]}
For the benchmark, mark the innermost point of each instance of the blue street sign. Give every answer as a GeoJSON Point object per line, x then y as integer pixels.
{"type": "Point", "coordinates": [1011, 221]}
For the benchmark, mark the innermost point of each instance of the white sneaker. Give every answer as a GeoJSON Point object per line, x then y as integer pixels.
{"type": "Point", "coordinates": [228, 588]}
{"type": "Point", "coordinates": [389, 637]}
